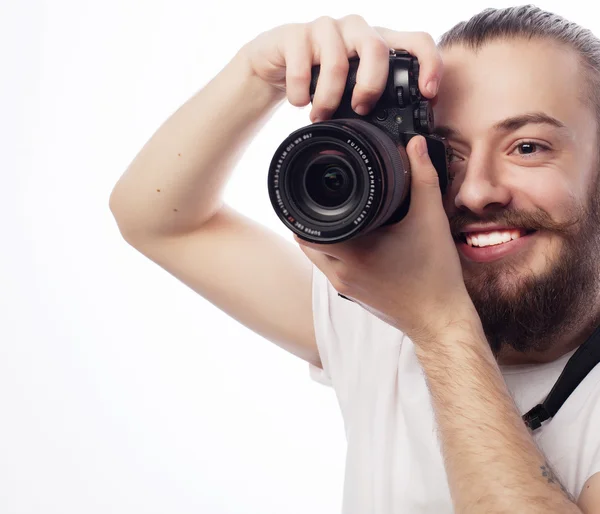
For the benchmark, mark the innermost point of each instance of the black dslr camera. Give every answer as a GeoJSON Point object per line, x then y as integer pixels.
{"type": "Point", "coordinates": [338, 179]}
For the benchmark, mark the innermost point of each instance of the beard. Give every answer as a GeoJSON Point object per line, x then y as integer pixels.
{"type": "Point", "coordinates": [529, 312]}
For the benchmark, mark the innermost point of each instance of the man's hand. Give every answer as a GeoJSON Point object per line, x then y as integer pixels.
{"type": "Point", "coordinates": [408, 274]}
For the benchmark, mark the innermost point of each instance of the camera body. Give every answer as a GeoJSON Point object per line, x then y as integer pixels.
{"type": "Point", "coordinates": [341, 178]}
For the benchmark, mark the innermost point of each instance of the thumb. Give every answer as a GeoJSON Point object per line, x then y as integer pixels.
{"type": "Point", "coordinates": [425, 191]}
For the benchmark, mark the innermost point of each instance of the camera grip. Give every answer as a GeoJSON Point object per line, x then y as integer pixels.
{"type": "Point", "coordinates": [350, 81]}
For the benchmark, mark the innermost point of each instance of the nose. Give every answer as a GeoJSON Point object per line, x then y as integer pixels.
{"type": "Point", "coordinates": [481, 189]}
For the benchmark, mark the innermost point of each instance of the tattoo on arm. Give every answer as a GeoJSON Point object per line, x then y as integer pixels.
{"type": "Point", "coordinates": [553, 479]}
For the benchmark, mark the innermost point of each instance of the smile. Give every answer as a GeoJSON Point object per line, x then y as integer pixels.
{"type": "Point", "coordinates": [493, 245]}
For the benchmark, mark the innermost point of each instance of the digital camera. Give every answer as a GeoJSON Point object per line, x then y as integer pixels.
{"type": "Point", "coordinates": [338, 179]}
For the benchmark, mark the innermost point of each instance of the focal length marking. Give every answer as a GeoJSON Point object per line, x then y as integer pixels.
{"type": "Point", "coordinates": [282, 157]}
{"type": "Point", "coordinates": [365, 158]}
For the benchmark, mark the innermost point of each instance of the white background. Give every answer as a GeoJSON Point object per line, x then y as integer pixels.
{"type": "Point", "coordinates": [121, 390]}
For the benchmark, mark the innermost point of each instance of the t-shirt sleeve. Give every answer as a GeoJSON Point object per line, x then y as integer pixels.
{"type": "Point", "coordinates": [339, 325]}
{"type": "Point", "coordinates": [322, 298]}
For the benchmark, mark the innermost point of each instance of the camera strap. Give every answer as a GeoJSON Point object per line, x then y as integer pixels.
{"type": "Point", "coordinates": [577, 368]}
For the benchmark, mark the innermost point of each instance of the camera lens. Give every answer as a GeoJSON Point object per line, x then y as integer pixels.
{"type": "Point", "coordinates": [321, 182]}
{"type": "Point", "coordinates": [334, 180]}
{"type": "Point", "coordinates": [329, 181]}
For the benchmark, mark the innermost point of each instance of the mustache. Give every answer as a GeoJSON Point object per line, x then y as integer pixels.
{"type": "Point", "coordinates": [528, 220]}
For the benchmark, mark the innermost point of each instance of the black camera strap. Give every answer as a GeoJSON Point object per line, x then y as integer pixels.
{"type": "Point", "coordinates": [577, 368]}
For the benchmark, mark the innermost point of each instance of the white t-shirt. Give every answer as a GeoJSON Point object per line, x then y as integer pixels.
{"type": "Point", "coordinates": [394, 461]}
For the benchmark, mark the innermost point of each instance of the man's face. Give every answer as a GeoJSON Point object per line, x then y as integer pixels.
{"type": "Point", "coordinates": [520, 204]}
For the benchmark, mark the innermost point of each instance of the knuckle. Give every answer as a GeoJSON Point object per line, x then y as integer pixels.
{"type": "Point", "coordinates": [286, 27]}
{"type": "Point", "coordinates": [429, 179]}
{"type": "Point", "coordinates": [324, 21]}
{"type": "Point", "coordinates": [426, 37]}
{"type": "Point", "coordinates": [354, 19]}
{"type": "Point", "coordinates": [296, 32]}
{"type": "Point", "coordinates": [338, 68]}
{"type": "Point", "coordinates": [299, 75]}
{"type": "Point", "coordinates": [301, 30]}
{"type": "Point", "coordinates": [377, 46]}
{"type": "Point", "coordinates": [283, 30]}
{"type": "Point", "coordinates": [264, 37]}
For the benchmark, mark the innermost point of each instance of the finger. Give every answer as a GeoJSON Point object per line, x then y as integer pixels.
{"type": "Point", "coordinates": [326, 263]}
{"type": "Point", "coordinates": [329, 46]}
{"type": "Point", "coordinates": [373, 68]}
{"type": "Point", "coordinates": [333, 252]}
{"type": "Point", "coordinates": [298, 62]}
{"type": "Point", "coordinates": [423, 47]}
{"type": "Point", "coordinates": [425, 193]}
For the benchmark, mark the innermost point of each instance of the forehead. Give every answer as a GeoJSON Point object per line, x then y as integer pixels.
{"type": "Point", "coordinates": [508, 78]}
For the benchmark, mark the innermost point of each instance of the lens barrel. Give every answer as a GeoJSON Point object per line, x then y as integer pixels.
{"type": "Point", "coordinates": [335, 180]}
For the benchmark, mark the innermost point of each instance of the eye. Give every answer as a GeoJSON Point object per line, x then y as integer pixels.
{"type": "Point", "coordinates": [530, 148]}
{"type": "Point", "coordinates": [453, 157]}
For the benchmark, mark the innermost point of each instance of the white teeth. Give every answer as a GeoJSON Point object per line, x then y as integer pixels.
{"type": "Point", "coordinates": [492, 238]}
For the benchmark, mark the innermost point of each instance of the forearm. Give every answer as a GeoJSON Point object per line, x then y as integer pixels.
{"type": "Point", "coordinates": [492, 462]}
{"type": "Point", "coordinates": [177, 180]}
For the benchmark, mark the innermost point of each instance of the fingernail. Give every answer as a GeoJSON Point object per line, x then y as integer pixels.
{"type": "Point", "coordinates": [361, 109]}
{"type": "Point", "coordinates": [432, 87]}
{"type": "Point", "coordinates": [422, 147]}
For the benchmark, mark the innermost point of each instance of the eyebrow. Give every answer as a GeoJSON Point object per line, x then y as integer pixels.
{"type": "Point", "coordinates": [508, 124]}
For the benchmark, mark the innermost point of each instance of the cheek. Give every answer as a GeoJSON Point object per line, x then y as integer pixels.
{"type": "Point", "coordinates": [551, 194]}
{"type": "Point", "coordinates": [554, 192]}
